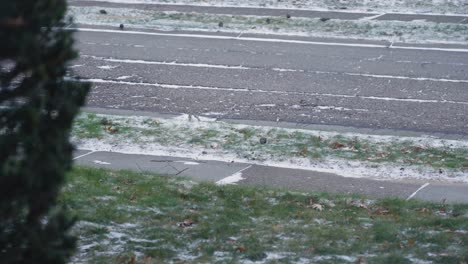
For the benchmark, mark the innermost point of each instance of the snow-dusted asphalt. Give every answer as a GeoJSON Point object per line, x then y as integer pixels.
{"type": "Point", "coordinates": [304, 80]}
{"type": "Point", "coordinates": [285, 178]}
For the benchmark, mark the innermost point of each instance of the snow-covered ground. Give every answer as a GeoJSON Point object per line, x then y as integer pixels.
{"type": "Point", "coordinates": [392, 31]}
{"type": "Point", "coordinates": [386, 6]}
{"type": "Point", "coordinates": [212, 140]}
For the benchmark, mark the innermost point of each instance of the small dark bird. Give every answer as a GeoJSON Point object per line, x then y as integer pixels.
{"type": "Point", "coordinates": [121, 26]}
{"type": "Point", "coordinates": [324, 19]}
{"type": "Point", "coordinates": [268, 20]}
{"type": "Point", "coordinates": [288, 16]}
{"type": "Point", "coordinates": [102, 11]}
{"type": "Point", "coordinates": [220, 24]}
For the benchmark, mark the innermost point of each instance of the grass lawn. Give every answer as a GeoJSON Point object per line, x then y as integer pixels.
{"type": "Point", "coordinates": [129, 217]}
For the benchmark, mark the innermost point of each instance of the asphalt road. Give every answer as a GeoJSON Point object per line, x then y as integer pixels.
{"type": "Point", "coordinates": [285, 179]}
{"type": "Point", "coordinates": [310, 81]}
{"type": "Point", "coordinates": [250, 11]}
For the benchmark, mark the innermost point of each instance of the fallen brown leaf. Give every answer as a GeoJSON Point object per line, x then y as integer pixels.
{"type": "Point", "coordinates": [111, 129]}
{"type": "Point", "coordinates": [132, 260]}
{"type": "Point", "coordinates": [303, 152]}
{"type": "Point", "coordinates": [405, 151]}
{"type": "Point", "coordinates": [148, 260]}
{"type": "Point", "coordinates": [246, 231]}
{"type": "Point", "coordinates": [185, 223]}
{"type": "Point", "coordinates": [385, 245]}
{"type": "Point", "coordinates": [424, 211]}
{"type": "Point", "coordinates": [361, 260]}
{"type": "Point", "coordinates": [380, 211]}
{"type": "Point", "coordinates": [418, 148]}
{"type": "Point", "coordinates": [318, 207]}
{"type": "Point", "coordinates": [241, 249]}
{"type": "Point", "coordinates": [442, 208]}
{"type": "Point", "coordinates": [337, 145]}
{"type": "Point", "coordinates": [278, 228]}
{"type": "Point", "coordinates": [362, 206]}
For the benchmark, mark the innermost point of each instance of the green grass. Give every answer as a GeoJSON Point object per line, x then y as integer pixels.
{"type": "Point", "coordinates": [125, 215]}
{"type": "Point", "coordinates": [88, 127]}
{"type": "Point", "coordinates": [244, 141]}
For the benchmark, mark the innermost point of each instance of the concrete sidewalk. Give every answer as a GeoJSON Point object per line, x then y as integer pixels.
{"type": "Point", "coordinates": [292, 179]}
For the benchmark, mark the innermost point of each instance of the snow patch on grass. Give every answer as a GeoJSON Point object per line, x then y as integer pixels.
{"type": "Point", "coordinates": [392, 31]}
{"type": "Point", "coordinates": [250, 224]}
{"type": "Point", "coordinates": [106, 198]}
{"type": "Point", "coordinates": [346, 154]}
{"type": "Point", "coordinates": [404, 6]}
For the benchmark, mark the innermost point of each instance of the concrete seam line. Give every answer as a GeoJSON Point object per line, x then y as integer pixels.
{"type": "Point", "coordinates": [185, 35]}
{"type": "Point", "coordinates": [91, 152]}
{"type": "Point", "coordinates": [419, 189]}
{"type": "Point", "coordinates": [222, 181]}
